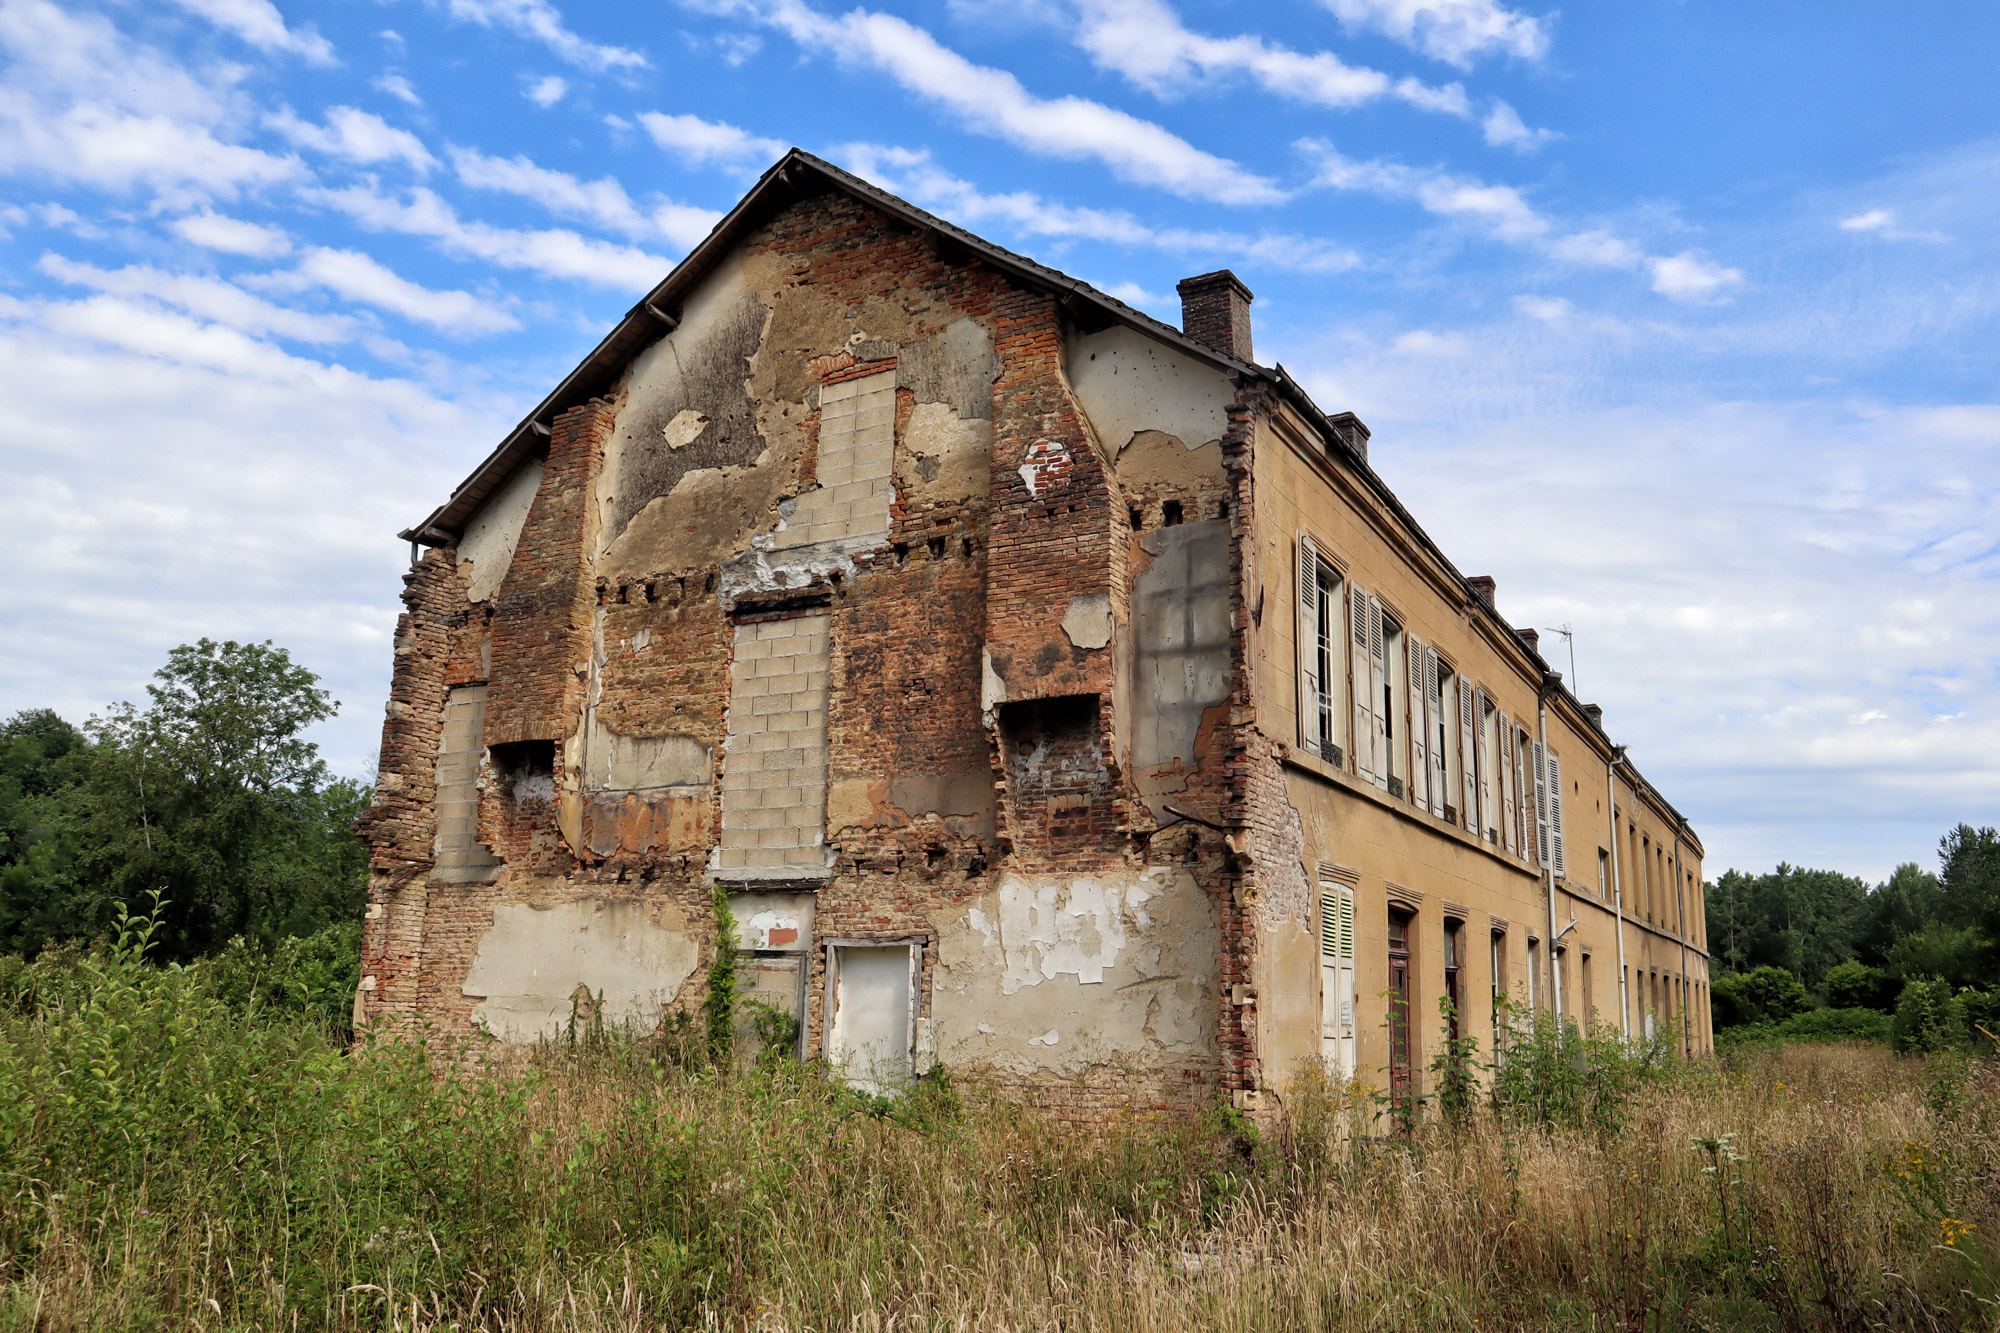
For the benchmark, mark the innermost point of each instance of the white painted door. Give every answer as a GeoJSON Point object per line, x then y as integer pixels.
{"type": "Point", "coordinates": [871, 1032]}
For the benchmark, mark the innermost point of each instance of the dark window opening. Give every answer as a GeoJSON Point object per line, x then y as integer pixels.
{"type": "Point", "coordinates": [1138, 517]}
{"type": "Point", "coordinates": [1170, 513]}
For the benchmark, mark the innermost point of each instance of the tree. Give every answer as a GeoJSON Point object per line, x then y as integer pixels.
{"type": "Point", "coordinates": [1855, 985]}
{"type": "Point", "coordinates": [1800, 920]}
{"type": "Point", "coordinates": [211, 795]}
{"type": "Point", "coordinates": [1969, 897]}
{"type": "Point", "coordinates": [1763, 995]}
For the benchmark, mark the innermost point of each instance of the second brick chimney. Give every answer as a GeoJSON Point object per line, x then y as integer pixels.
{"type": "Point", "coordinates": [1215, 311]}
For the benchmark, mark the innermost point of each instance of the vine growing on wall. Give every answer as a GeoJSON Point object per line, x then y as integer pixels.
{"type": "Point", "coordinates": [719, 1008]}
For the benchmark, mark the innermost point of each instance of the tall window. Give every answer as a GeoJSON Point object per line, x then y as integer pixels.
{"type": "Point", "coordinates": [1534, 974]}
{"type": "Point", "coordinates": [1446, 742]}
{"type": "Point", "coordinates": [1322, 637]}
{"type": "Point", "coordinates": [1604, 874]}
{"type": "Point", "coordinates": [1497, 957]}
{"type": "Point", "coordinates": [1454, 946]}
{"type": "Point", "coordinates": [1489, 772]}
{"type": "Point", "coordinates": [1393, 701]}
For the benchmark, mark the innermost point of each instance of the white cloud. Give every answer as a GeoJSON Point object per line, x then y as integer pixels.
{"type": "Point", "coordinates": [232, 236]}
{"type": "Point", "coordinates": [1548, 309]}
{"type": "Point", "coordinates": [542, 22]}
{"type": "Point", "coordinates": [1454, 31]}
{"type": "Point", "coordinates": [1881, 222]}
{"type": "Point", "coordinates": [359, 278]}
{"type": "Point", "coordinates": [914, 176]}
{"type": "Point", "coordinates": [259, 23]}
{"type": "Point", "coordinates": [555, 253]}
{"type": "Point", "coordinates": [1504, 128]}
{"type": "Point", "coordinates": [992, 101]}
{"type": "Point", "coordinates": [209, 298]}
{"type": "Point", "coordinates": [546, 91]}
{"type": "Point", "coordinates": [356, 136]}
{"type": "Point", "coordinates": [601, 201]}
{"type": "Point", "coordinates": [1689, 277]}
{"type": "Point", "coordinates": [701, 142]}
{"type": "Point", "coordinates": [399, 88]}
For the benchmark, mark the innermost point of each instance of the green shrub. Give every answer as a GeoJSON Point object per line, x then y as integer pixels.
{"type": "Point", "coordinates": [311, 977]}
{"type": "Point", "coordinates": [1813, 1025]}
{"type": "Point", "coordinates": [1928, 1018]}
{"type": "Point", "coordinates": [1855, 985]}
{"type": "Point", "coordinates": [1766, 995]}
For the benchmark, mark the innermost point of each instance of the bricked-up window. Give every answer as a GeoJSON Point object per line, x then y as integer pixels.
{"type": "Point", "coordinates": [774, 779]}
{"type": "Point", "coordinates": [1057, 784]}
{"type": "Point", "coordinates": [774, 931]}
{"type": "Point", "coordinates": [459, 855]}
{"type": "Point", "coordinates": [1320, 640]}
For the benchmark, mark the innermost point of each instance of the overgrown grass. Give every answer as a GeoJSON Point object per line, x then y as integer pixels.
{"type": "Point", "coordinates": [173, 1161]}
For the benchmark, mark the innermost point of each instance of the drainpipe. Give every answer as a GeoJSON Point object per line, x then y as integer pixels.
{"type": "Point", "coordinates": [1550, 680]}
{"type": "Point", "coordinates": [1680, 917]}
{"type": "Point", "coordinates": [1618, 888]}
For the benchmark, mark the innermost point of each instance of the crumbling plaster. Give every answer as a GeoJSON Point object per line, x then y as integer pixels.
{"type": "Point", "coordinates": [486, 547]}
{"type": "Point", "coordinates": [1062, 972]}
{"type": "Point", "coordinates": [630, 957]}
{"type": "Point", "coordinates": [1128, 383]}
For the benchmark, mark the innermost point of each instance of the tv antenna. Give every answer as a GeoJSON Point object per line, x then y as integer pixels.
{"type": "Point", "coordinates": [1569, 637]}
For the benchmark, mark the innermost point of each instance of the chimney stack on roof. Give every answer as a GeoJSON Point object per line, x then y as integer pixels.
{"type": "Point", "coordinates": [1215, 312]}
{"type": "Point", "coordinates": [1484, 585]}
{"type": "Point", "coordinates": [1534, 638]}
{"type": "Point", "coordinates": [1596, 712]}
{"type": "Point", "coordinates": [1353, 432]}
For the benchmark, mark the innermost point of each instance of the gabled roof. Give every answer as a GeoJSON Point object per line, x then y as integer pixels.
{"type": "Point", "coordinates": [798, 174]}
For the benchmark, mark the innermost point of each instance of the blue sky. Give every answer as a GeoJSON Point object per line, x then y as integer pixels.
{"type": "Point", "coordinates": [1677, 318]}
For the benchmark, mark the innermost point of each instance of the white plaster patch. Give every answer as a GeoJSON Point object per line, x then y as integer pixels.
{"type": "Point", "coordinates": [685, 428]}
{"type": "Point", "coordinates": [641, 640]}
{"type": "Point", "coordinates": [992, 689]}
{"type": "Point", "coordinates": [490, 535]}
{"type": "Point", "coordinates": [1049, 929]}
{"type": "Point", "coordinates": [1087, 622]}
{"type": "Point", "coordinates": [1049, 1038]}
{"type": "Point", "coordinates": [533, 959]}
{"type": "Point", "coordinates": [1047, 465]}
{"type": "Point", "coordinates": [1126, 382]}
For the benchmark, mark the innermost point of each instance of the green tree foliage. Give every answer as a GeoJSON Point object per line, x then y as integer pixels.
{"type": "Point", "coordinates": [1764, 995]}
{"type": "Point", "coordinates": [209, 796]}
{"type": "Point", "coordinates": [1929, 1017]}
{"type": "Point", "coordinates": [1803, 921]}
{"type": "Point", "coordinates": [1856, 985]}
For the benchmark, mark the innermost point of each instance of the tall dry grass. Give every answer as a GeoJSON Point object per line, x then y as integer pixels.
{"type": "Point", "coordinates": [170, 1164]}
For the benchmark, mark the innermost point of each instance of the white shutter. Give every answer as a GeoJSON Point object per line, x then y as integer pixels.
{"type": "Point", "coordinates": [1420, 743]}
{"type": "Point", "coordinates": [1504, 741]}
{"type": "Point", "coordinates": [1434, 737]}
{"type": "Point", "coordinates": [1310, 685]}
{"type": "Point", "coordinates": [1336, 959]}
{"type": "Point", "coordinates": [1524, 796]}
{"type": "Point", "coordinates": [1556, 815]}
{"type": "Point", "coordinates": [1489, 790]}
{"type": "Point", "coordinates": [1468, 749]}
{"type": "Point", "coordinates": [1362, 666]}
{"type": "Point", "coordinates": [1378, 678]}
{"type": "Point", "coordinates": [1541, 806]}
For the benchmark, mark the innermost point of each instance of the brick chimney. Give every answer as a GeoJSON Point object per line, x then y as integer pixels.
{"type": "Point", "coordinates": [1534, 638]}
{"type": "Point", "coordinates": [1596, 714]}
{"type": "Point", "coordinates": [1484, 585]}
{"type": "Point", "coordinates": [1352, 432]}
{"type": "Point", "coordinates": [1215, 311]}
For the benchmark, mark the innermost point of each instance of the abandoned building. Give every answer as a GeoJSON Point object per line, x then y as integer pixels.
{"type": "Point", "coordinates": [1053, 693]}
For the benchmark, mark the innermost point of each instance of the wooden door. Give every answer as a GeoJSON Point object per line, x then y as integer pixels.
{"type": "Point", "coordinates": [1399, 1006]}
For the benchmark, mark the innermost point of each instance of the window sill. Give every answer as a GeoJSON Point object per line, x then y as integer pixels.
{"type": "Point", "coordinates": [1341, 778]}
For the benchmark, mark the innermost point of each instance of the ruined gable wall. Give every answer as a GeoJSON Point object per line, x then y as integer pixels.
{"type": "Point", "coordinates": [675, 503]}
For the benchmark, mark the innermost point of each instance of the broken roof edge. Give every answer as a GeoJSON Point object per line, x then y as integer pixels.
{"type": "Point", "coordinates": [656, 310]}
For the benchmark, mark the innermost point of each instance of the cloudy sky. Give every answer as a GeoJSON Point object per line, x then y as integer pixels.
{"type": "Point", "coordinates": [1677, 318]}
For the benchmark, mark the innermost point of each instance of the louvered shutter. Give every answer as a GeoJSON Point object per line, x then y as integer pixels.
{"type": "Point", "coordinates": [1524, 795]}
{"type": "Point", "coordinates": [1434, 737]}
{"type": "Point", "coordinates": [1362, 667]}
{"type": "Point", "coordinates": [1378, 708]}
{"type": "Point", "coordinates": [1489, 790]}
{"type": "Point", "coordinates": [1504, 741]}
{"type": "Point", "coordinates": [1336, 958]}
{"type": "Point", "coordinates": [1420, 743]}
{"type": "Point", "coordinates": [1468, 748]}
{"type": "Point", "coordinates": [1541, 805]}
{"type": "Point", "coordinates": [1311, 687]}
{"type": "Point", "coordinates": [1556, 815]}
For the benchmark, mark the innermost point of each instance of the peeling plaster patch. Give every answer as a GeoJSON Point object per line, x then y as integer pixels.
{"type": "Point", "coordinates": [1126, 382]}
{"type": "Point", "coordinates": [1047, 467]}
{"type": "Point", "coordinates": [1180, 629]}
{"type": "Point", "coordinates": [944, 456]}
{"type": "Point", "coordinates": [759, 570]}
{"type": "Point", "coordinates": [1062, 972]}
{"type": "Point", "coordinates": [533, 960]}
{"type": "Point", "coordinates": [684, 429]}
{"type": "Point", "coordinates": [633, 763]}
{"type": "Point", "coordinates": [1088, 620]}
{"type": "Point", "coordinates": [992, 689]}
{"type": "Point", "coordinates": [642, 640]}
{"type": "Point", "coordinates": [488, 542]}
{"type": "Point", "coordinates": [956, 369]}
{"type": "Point", "coordinates": [850, 803]}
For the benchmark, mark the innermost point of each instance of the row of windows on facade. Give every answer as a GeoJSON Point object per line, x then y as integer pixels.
{"type": "Point", "coordinates": [1374, 695]}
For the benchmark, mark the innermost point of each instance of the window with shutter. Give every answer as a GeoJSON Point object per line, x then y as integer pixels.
{"type": "Point", "coordinates": [1362, 664]}
{"type": "Point", "coordinates": [1311, 698]}
{"type": "Point", "coordinates": [1556, 815]}
{"type": "Point", "coordinates": [1468, 743]}
{"type": "Point", "coordinates": [1336, 957]}
{"type": "Point", "coordinates": [1489, 784]}
{"type": "Point", "coordinates": [1524, 798]}
{"type": "Point", "coordinates": [1541, 806]}
{"type": "Point", "coordinates": [1420, 749]}
{"type": "Point", "coordinates": [1378, 711]}
{"type": "Point", "coordinates": [1434, 733]}
{"type": "Point", "coordinates": [1506, 772]}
